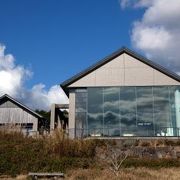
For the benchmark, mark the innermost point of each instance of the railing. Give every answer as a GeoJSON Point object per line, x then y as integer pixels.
{"type": "Point", "coordinates": [124, 132]}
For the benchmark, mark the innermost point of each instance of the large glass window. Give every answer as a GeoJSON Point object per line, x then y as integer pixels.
{"type": "Point", "coordinates": [128, 111]}
{"type": "Point", "coordinates": [145, 124]}
{"type": "Point", "coordinates": [111, 112]}
{"type": "Point", "coordinates": [95, 111]}
{"type": "Point", "coordinates": [127, 107]}
{"type": "Point", "coordinates": [163, 123]}
{"type": "Point", "coordinates": [81, 124]}
{"type": "Point", "coordinates": [175, 109]}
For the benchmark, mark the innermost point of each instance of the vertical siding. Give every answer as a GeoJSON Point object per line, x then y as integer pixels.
{"type": "Point", "coordinates": [11, 113]}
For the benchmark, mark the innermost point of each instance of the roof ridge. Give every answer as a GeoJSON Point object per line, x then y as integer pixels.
{"type": "Point", "coordinates": [20, 104]}
{"type": "Point", "coordinates": [115, 54]}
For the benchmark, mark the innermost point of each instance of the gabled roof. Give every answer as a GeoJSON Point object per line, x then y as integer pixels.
{"type": "Point", "coordinates": [107, 59]}
{"type": "Point", "coordinates": [6, 96]}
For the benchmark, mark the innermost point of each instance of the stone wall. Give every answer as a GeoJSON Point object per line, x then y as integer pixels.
{"type": "Point", "coordinates": [154, 149]}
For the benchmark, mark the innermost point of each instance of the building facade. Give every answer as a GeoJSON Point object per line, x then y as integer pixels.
{"type": "Point", "coordinates": [14, 114]}
{"type": "Point", "coordinates": [122, 95]}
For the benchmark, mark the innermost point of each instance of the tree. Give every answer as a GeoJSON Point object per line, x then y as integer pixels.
{"type": "Point", "coordinates": [113, 156]}
{"type": "Point", "coordinates": [46, 120]}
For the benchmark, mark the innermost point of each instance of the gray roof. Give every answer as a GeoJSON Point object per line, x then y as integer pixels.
{"type": "Point", "coordinates": [6, 96]}
{"type": "Point", "coordinates": [117, 53]}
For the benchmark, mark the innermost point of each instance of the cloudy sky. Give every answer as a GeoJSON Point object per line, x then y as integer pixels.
{"type": "Point", "coordinates": [44, 42]}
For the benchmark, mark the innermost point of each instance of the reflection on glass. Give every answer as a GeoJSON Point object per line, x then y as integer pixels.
{"type": "Point", "coordinates": [145, 111]}
{"type": "Point", "coordinates": [80, 112]}
{"type": "Point", "coordinates": [95, 111]}
{"type": "Point", "coordinates": [81, 124]}
{"type": "Point", "coordinates": [162, 111]}
{"type": "Point", "coordinates": [81, 100]}
{"type": "Point", "coordinates": [111, 112]}
{"type": "Point", "coordinates": [128, 111]}
{"type": "Point", "coordinates": [175, 109]}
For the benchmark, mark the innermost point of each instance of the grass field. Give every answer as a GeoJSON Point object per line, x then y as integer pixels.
{"type": "Point", "coordinates": [125, 174]}
{"type": "Point", "coordinates": [128, 173]}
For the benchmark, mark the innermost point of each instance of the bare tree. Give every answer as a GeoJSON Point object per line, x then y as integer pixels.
{"type": "Point", "coordinates": [113, 156]}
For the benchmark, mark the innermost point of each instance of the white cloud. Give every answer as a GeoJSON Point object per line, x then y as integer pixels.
{"type": "Point", "coordinates": [12, 80]}
{"type": "Point", "coordinates": [149, 38]}
{"type": "Point", "coordinates": [11, 76]}
{"type": "Point", "coordinates": [124, 3]}
{"type": "Point", "coordinates": [135, 3]}
{"type": "Point", "coordinates": [157, 32]}
{"type": "Point", "coordinates": [41, 98]}
{"type": "Point", "coordinates": [143, 3]}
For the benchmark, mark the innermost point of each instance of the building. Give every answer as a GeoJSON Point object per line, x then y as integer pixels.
{"type": "Point", "coordinates": [124, 94]}
{"type": "Point", "coordinates": [15, 114]}
{"type": "Point", "coordinates": [59, 119]}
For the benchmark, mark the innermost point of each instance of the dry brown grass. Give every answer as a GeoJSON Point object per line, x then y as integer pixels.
{"type": "Point", "coordinates": [20, 177]}
{"type": "Point", "coordinates": [125, 174]}
{"type": "Point", "coordinates": [61, 145]}
{"type": "Point", "coordinates": [77, 158]}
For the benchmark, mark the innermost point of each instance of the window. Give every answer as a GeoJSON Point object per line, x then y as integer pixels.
{"type": "Point", "coordinates": [128, 111]}
{"type": "Point", "coordinates": [145, 120]}
{"type": "Point", "coordinates": [162, 111]}
{"type": "Point", "coordinates": [95, 111]}
{"type": "Point", "coordinates": [175, 109]}
{"type": "Point", "coordinates": [111, 112]}
{"type": "Point", "coordinates": [81, 109]}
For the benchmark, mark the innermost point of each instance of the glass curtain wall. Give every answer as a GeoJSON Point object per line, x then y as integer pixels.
{"type": "Point", "coordinates": [128, 111]}
{"type": "Point", "coordinates": [145, 119]}
{"type": "Point", "coordinates": [111, 112]}
{"type": "Point", "coordinates": [163, 123]}
{"type": "Point", "coordinates": [81, 113]}
{"type": "Point", "coordinates": [127, 106]}
{"type": "Point", "coordinates": [95, 111]}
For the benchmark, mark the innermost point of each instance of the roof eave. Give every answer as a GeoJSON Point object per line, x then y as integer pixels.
{"type": "Point", "coordinates": [21, 105]}
{"type": "Point", "coordinates": [107, 59]}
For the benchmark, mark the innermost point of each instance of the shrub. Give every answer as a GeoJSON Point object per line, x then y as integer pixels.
{"type": "Point", "coordinates": [20, 154]}
{"type": "Point", "coordinates": [151, 163]}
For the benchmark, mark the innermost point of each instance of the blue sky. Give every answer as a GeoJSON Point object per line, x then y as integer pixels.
{"type": "Point", "coordinates": [44, 42]}
{"type": "Point", "coordinates": [58, 38]}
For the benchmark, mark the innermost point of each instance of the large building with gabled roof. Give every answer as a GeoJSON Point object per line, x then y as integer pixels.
{"type": "Point", "coordinates": [123, 95]}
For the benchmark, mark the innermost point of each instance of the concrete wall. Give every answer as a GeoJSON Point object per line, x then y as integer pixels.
{"type": "Point", "coordinates": [71, 114]}
{"type": "Point", "coordinates": [53, 113]}
{"type": "Point", "coordinates": [11, 113]}
{"type": "Point", "coordinates": [125, 71]}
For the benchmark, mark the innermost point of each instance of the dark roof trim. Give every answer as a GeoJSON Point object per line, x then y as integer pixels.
{"type": "Point", "coordinates": [113, 56]}
{"type": "Point", "coordinates": [20, 105]}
